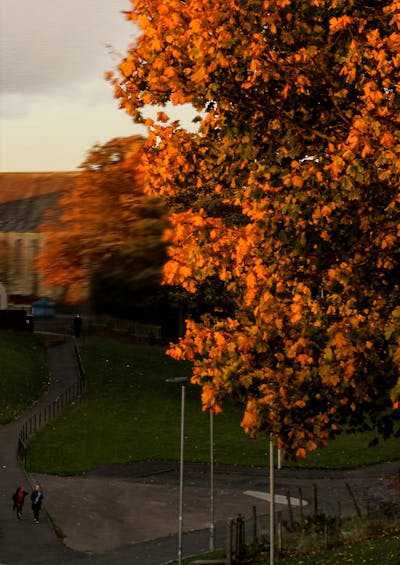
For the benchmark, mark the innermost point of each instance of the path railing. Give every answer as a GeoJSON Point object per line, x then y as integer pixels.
{"type": "Point", "coordinates": [298, 532]}
{"type": "Point", "coordinates": [47, 413]}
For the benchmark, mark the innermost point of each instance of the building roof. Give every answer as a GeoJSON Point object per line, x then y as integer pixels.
{"type": "Point", "coordinates": [26, 214]}
{"type": "Point", "coordinates": [26, 197]}
{"type": "Point", "coordinates": [15, 186]}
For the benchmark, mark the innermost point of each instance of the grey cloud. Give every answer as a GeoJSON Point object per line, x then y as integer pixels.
{"type": "Point", "coordinates": [55, 47]}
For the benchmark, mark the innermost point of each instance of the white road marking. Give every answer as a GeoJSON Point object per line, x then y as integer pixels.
{"type": "Point", "coordinates": [279, 498]}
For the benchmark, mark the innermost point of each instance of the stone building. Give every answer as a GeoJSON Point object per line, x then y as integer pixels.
{"type": "Point", "coordinates": [24, 200]}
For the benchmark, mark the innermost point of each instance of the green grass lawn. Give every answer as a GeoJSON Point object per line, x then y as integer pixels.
{"type": "Point", "coordinates": [385, 549]}
{"type": "Point", "coordinates": [23, 372]}
{"type": "Point", "coordinates": [130, 413]}
{"type": "Point", "coordinates": [375, 551]}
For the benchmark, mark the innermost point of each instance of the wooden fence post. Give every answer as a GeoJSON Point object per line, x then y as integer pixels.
{"type": "Point", "coordinates": [255, 538]}
{"type": "Point", "coordinates": [301, 505]}
{"type": "Point", "coordinates": [359, 513]}
{"type": "Point", "coordinates": [326, 534]}
{"type": "Point", "coordinates": [338, 522]}
{"type": "Point", "coordinates": [280, 533]}
{"type": "Point", "coordinates": [229, 528]}
{"type": "Point", "coordinates": [240, 535]}
{"type": "Point", "coordinates": [315, 491]}
{"type": "Point", "coordinates": [290, 509]}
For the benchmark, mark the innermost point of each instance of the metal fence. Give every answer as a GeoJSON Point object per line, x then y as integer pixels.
{"type": "Point", "coordinates": [45, 414]}
{"type": "Point", "coordinates": [63, 324]}
{"type": "Point", "coordinates": [137, 329]}
{"type": "Point", "coordinates": [297, 532]}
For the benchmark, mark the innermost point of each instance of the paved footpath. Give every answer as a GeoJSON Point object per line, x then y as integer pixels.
{"type": "Point", "coordinates": [129, 514]}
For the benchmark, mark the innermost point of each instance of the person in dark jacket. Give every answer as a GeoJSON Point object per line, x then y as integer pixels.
{"type": "Point", "coordinates": [36, 499]}
{"type": "Point", "coordinates": [18, 499]}
{"type": "Point", "coordinates": [77, 325]}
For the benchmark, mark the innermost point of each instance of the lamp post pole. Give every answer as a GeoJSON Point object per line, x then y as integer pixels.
{"type": "Point", "coordinates": [180, 529]}
{"type": "Point", "coordinates": [181, 380]}
{"type": "Point", "coordinates": [271, 504]}
{"type": "Point", "coordinates": [212, 525]}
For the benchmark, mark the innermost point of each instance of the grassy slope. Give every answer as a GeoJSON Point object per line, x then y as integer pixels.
{"type": "Point", "coordinates": [23, 373]}
{"type": "Point", "coordinates": [385, 549]}
{"type": "Point", "coordinates": [131, 413]}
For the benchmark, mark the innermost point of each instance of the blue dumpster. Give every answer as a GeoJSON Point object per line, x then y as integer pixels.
{"type": "Point", "coordinates": [43, 308]}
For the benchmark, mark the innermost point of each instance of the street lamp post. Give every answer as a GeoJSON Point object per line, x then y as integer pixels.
{"type": "Point", "coordinates": [271, 504]}
{"type": "Point", "coordinates": [212, 525]}
{"type": "Point", "coordinates": [181, 380]}
{"type": "Point", "coordinates": [180, 529]}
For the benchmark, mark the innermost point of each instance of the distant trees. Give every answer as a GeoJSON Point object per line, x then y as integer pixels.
{"type": "Point", "coordinates": [106, 236]}
{"type": "Point", "coordinates": [288, 197]}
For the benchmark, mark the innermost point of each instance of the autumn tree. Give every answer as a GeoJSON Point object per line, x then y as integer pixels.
{"type": "Point", "coordinates": [105, 238]}
{"type": "Point", "coordinates": [288, 195]}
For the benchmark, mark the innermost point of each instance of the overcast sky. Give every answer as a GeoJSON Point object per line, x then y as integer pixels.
{"type": "Point", "coordinates": [54, 102]}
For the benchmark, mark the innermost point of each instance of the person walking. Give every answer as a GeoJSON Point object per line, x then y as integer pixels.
{"type": "Point", "coordinates": [77, 325]}
{"type": "Point", "coordinates": [36, 498]}
{"type": "Point", "coordinates": [18, 499]}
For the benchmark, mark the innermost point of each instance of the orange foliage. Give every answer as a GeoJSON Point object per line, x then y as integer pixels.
{"type": "Point", "coordinates": [106, 214]}
{"type": "Point", "coordinates": [288, 195]}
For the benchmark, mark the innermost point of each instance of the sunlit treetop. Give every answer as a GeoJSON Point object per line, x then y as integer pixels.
{"type": "Point", "coordinates": [288, 194]}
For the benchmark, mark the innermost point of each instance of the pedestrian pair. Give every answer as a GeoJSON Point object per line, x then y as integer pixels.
{"type": "Point", "coordinates": [18, 499]}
